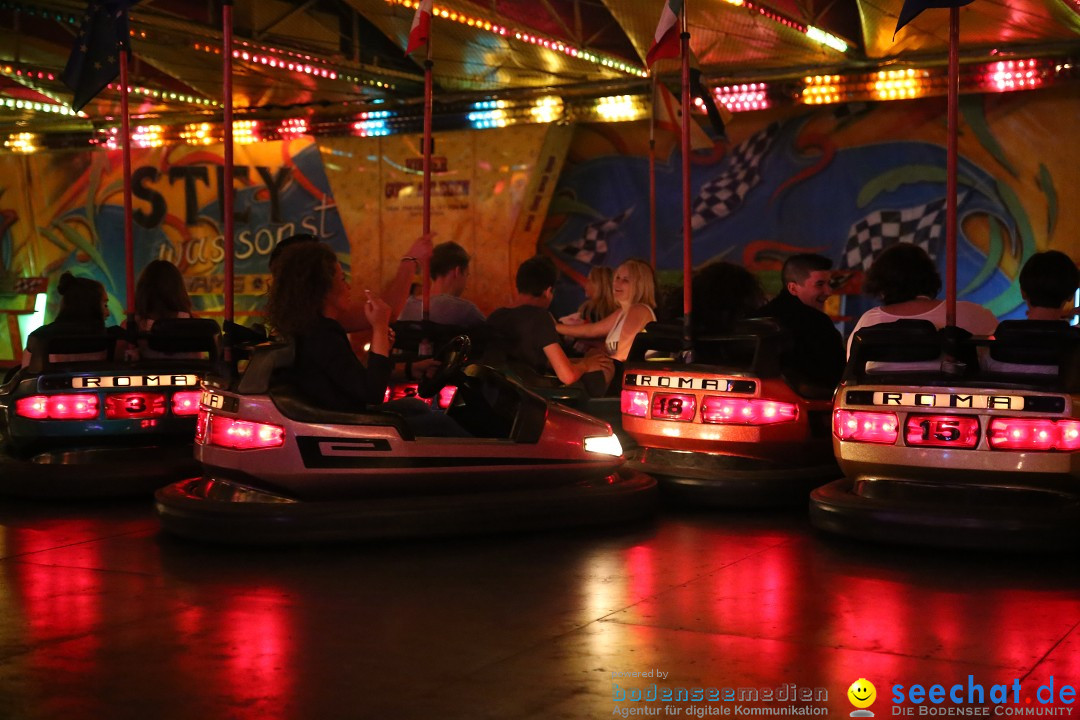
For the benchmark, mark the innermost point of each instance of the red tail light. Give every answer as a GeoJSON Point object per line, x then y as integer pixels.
{"type": "Point", "coordinates": [869, 427]}
{"type": "Point", "coordinates": [244, 435]}
{"type": "Point", "coordinates": [186, 402]}
{"type": "Point", "coordinates": [670, 406]}
{"type": "Point", "coordinates": [961, 431]}
{"type": "Point", "coordinates": [201, 423]}
{"type": "Point", "coordinates": [446, 396]}
{"type": "Point", "coordinates": [635, 402]}
{"type": "Point", "coordinates": [1035, 434]}
{"type": "Point", "coordinates": [403, 391]}
{"type": "Point", "coordinates": [58, 407]}
{"type": "Point", "coordinates": [745, 411]}
{"type": "Point", "coordinates": [133, 406]}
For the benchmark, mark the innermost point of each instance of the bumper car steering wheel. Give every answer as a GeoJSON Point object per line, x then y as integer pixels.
{"type": "Point", "coordinates": [452, 358]}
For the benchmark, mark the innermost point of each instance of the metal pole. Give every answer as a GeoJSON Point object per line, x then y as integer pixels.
{"type": "Point", "coordinates": [426, 269]}
{"type": "Point", "coordinates": [228, 217]}
{"type": "Point", "coordinates": [950, 166]}
{"type": "Point", "coordinates": [688, 260]}
{"type": "Point", "coordinates": [129, 228]}
{"type": "Point", "coordinates": [652, 178]}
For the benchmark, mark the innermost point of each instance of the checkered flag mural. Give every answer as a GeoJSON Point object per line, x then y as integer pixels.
{"type": "Point", "coordinates": [922, 225]}
{"type": "Point", "coordinates": [592, 246]}
{"type": "Point", "coordinates": [724, 194]}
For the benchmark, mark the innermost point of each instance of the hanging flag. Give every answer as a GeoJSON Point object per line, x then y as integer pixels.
{"type": "Point", "coordinates": [668, 114]}
{"type": "Point", "coordinates": [421, 26]}
{"type": "Point", "coordinates": [718, 115]}
{"type": "Point", "coordinates": [912, 8]}
{"type": "Point", "coordinates": [666, 38]}
{"type": "Point", "coordinates": [95, 59]}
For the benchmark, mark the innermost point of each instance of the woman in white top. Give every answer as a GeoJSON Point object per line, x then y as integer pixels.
{"type": "Point", "coordinates": [906, 281]}
{"type": "Point", "coordinates": [634, 288]}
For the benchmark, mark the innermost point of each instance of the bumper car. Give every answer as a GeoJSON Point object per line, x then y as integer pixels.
{"type": "Point", "coordinates": [278, 470]}
{"type": "Point", "coordinates": [716, 422]}
{"type": "Point", "coordinates": [72, 427]}
{"type": "Point", "coordinates": [953, 441]}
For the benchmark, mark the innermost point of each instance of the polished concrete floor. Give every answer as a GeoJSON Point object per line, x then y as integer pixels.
{"type": "Point", "coordinates": [102, 616]}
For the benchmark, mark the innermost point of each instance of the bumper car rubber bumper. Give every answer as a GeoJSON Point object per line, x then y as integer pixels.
{"type": "Point", "coordinates": [207, 508]}
{"type": "Point", "coordinates": [729, 481]}
{"type": "Point", "coordinates": [1009, 519]}
{"type": "Point", "coordinates": [89, 473]}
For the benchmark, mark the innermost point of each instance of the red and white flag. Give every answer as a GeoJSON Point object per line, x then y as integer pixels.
{"type": "Point", "coordinates": [421, 26]}
{"type": "Point", "coordinates": [666, 38]}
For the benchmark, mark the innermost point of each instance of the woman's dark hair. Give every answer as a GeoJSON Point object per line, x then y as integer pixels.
{"type": "Point", "coordinates": [82, 300]}
{"type": "Point", "coordinates": [723, 293]}
{"type": "Point", "coordinates": [160, 292]}
{"type": "Point", "coordinates": [289, 242]}
{"type": "Point", "coordinates": [902, 272]}
{"type": "Point", "coordinates": [303, 277]}
{"type": "Point", "coordinates": [1049, 279]}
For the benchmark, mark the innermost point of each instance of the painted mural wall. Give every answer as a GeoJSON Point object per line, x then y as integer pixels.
{"type": "Point", "coordinates": [64, 212]}
{"type": "Point", "coordinates": [844, 181]}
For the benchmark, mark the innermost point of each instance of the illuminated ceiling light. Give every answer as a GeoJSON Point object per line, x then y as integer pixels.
{"type": "Point", "coordinates": [547, 109]}
{"type": "Point", "coordinates": [743, 97]}
{"type": "Point", "coordinates": [620, 108]}
{"type": "Point", "coordinates": [826, 38]}
{"type": "Point", "coordinates": [524, 36]}
{"type": "Point", "coordinates": [147, 136]}
{"type": "Point", "coordinates": [21, 142]}
{"type": "Point", "coordinates": [1014, 75]}
{"type": "Point", "coordinates": [293, 126]}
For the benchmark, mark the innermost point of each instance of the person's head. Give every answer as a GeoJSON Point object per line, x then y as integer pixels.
{"type": "Point", "coordinates": [450, 267]}
{"type": "Point", "coordinates": [307, 282]}
{"type": "Point", "coordinates": [723, 293]}
{"type": "Point", "coordinates": [634, 282]}
{"type": "Point", "coordinates": [806, 276]}
{"type": "Point", "coordinates": [1049, 280]}
{"type": "Point", "coordinates": [536, 278]}
{"type": "Point", "coordinates": [598, 291]}
{"type": "Point", "coordinates": [82, 300]}
{"type": "Point", "coordinates": [160, 292]}
{"type": "Point", "coordinates": [288, 242]}
{"type": "Point", "coordinates": [902, 272]}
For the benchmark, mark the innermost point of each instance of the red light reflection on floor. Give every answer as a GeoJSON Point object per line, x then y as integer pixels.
{"type": "Point", "coordinates": [251, 628]}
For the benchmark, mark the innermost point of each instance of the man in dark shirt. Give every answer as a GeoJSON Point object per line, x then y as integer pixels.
{"type": "Point", "coordinates": [525, 331]}
{"type": "Point", "coordinates": [817, 357]}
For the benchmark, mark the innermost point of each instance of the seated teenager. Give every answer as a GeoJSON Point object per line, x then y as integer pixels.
{"type": "Point", "coordinates": [907, 282]}
{"type": "Point", "coordinates": [84, 305]}
{"type": "Point", "coordinates": [527, 330]}
{"type": "Point", "coordinates": [449, 278]}
{"type": "Point", "coordinates": [724, 293]}
{"type": "Point", "coordinates": [817, 354]}
{"type": "Point", "coordinates": [310, 301]}
{"type": "Point", "coordinates": [634, 288]}
{"type": "Point", "coordinates": [159, 295]}
{"type": "Point", "coordinates": [1048, 281]}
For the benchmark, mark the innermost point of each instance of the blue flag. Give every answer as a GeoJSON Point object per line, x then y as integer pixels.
{"type": "Point", "coordinates": [912, 8]}
{"type": "Point", "coordinates": [95, 58]}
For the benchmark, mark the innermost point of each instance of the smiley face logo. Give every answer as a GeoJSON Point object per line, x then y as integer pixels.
{"type": "Point", "coordinates": [862, 693]}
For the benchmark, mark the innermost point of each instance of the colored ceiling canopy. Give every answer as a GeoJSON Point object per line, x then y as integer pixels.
{"type": "Point", "coordinates": [325, 62]}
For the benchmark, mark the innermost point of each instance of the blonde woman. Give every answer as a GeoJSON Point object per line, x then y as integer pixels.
{"type": "Point", "coordinates": [634, 290]}
{"type": "Point", "coordinates": [599, 297]}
